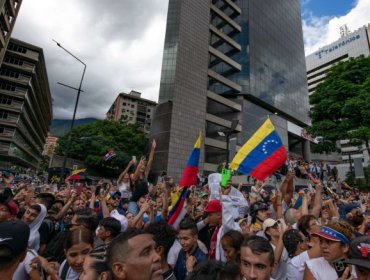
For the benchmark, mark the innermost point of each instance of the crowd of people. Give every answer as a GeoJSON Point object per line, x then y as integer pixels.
{"type": "Point", "coordinates": [122, 230]}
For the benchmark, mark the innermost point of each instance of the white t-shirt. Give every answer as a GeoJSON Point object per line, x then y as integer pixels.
{"type": "Point", "coordinates": [296, 265]}
{"type": "Point", "coordinates": [24, 268]}
{"type": "Point", "coordinates": [71, 274]}
{"type": "Point", "coordinates": [281, 270]}
{"type": "Point", "coordinates": [321, 269]}
{"type": "Point", "coordinates": [174, 253]}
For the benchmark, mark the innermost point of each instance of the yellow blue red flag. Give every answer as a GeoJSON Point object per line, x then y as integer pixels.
{"type": "Point", "coordinates": [190, 175]}
{"type": "Point", "coordinates": [262, 154]}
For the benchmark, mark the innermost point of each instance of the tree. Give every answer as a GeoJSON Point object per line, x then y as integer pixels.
{"type": "Point", "coordinates": [90, 142]}
{"type": "Point", "coordinates": [341, 106]}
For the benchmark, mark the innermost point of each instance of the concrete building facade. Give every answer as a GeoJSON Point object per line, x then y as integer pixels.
{"type": "Point", "coordinates": [229, 60]}
{"type": "Point", "coordinates": [25, 105]}
{"type": "Point", "coordinates": [350, 45]}
{"type": "Point", "coordinates": [8, 14]}
{"type": "Point", "coordinates": [133, 109]}
{"type": "Point", "coordinates": [50, 145]}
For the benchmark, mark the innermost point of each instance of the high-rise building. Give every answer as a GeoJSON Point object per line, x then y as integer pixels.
{"type": "Point", "coordinates": [25, 105]}
{"type": "Point", "coordinates": [132, 109]}
{"type": "Point", "coordinates": [8, 14]}
{"type": "Point", "coordinates": [350, 45]}
{"type": "Point", "coordinates": [228, 60]}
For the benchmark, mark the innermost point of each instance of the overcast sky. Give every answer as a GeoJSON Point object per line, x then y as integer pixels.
{"type": "Point", "coordinates": [121, 41]}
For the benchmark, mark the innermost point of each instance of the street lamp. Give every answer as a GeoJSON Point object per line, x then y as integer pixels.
{"type": "Point", "coordinates": [227, 133]}
{"type": "Point", "coordinates": [74, 113]}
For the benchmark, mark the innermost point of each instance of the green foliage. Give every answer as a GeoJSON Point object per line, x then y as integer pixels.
{"type": "Point", "coordinates": [362, 184]}
{"type": "Point", "coordinates": [341, 105]}
{"type": "Point", "coordinates": [90, 142]}
{"type": "Point", "coordinates": [44, 164]}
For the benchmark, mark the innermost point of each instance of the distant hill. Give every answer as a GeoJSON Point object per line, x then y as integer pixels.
{"type": "Point", "coordinates": [60, 127]}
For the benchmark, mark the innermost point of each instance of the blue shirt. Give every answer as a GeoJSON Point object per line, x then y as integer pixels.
{"type": "Point", "coordinates": [180, 267]}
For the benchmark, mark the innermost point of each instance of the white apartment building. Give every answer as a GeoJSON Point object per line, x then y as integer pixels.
{"type": "Point", "coordinates": [132, 109]}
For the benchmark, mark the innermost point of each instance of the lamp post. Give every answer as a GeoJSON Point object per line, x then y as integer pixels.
{"type": "Point", "coordinates": [227, 133]}
{"type": "Point", "coordinates": [74, 113]}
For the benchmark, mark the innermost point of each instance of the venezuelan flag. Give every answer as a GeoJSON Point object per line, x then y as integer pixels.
{"type": "Point", "coordinates": [262, 154]}
{"type": "Point", "coordinates": [178, 211]}
{"type": "Point", "coordinates": [189, 177]}
{"type": "Point", "coordinates": [79, 171]}
{"type": "Point", "coordinates": [78, 174]}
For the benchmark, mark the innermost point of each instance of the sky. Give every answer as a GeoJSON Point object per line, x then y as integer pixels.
{"type": "Point", "coordinates": [121, 42]}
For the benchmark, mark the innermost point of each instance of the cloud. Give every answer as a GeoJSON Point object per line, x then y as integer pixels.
{"type": "Point", "coordinates": [120, 41]}
{"type": "Point", "coordinates": [321, 31]}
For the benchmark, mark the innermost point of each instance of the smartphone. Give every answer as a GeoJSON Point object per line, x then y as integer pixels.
{"type": "Point", "coordinates": [78, 187]}
{"type": "Point", "coordinates": [340, 267]}
{"type": "Point", "coordinates": [134, 159]}
{"type": "Point", "coordinates": [225, 177]}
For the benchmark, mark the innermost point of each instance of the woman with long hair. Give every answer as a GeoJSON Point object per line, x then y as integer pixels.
{"type": "Point", "coordinates": [77, 246]}
{"type": "Point", "coordinates": [231, 242]}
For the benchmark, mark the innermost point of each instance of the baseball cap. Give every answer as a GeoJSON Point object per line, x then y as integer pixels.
{"type": "Point", "coordinates": [14, 235]}
{"type": "Point", "coordinates": [257, 206]}
{"type": "Point", "coordinates": [268, 223]}
{"type": "Point", "coordinates": [359, 252]}
{"type": "Point", "coordinates": [331, 234]}
{"type": "Point", "coordinates": [12, 207]}
{"type": "Point", "coordinates": [213, 206]}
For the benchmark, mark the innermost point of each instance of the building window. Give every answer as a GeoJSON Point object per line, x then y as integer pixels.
{"type": "Point", "coordinates": [1, 130]}
{"type": "Point", "coordinates": [124, 104]}
{"type": "Point", "coordinates": [9, 73]}
{"type": "Point", "coordinates": [123, 110]}
{"type": "Point", "coordinates": [7, 86]}
{"type": "Point", "coordinates": [13, 60]}
{"type": "Point", "coordinates": [132, 106]}
{"type": "Point", "coordinates": [3, 115]}
{"type": "Point", "coordinates": [16, 48]}
{"type": "Point", "coordinates": [5, 100]}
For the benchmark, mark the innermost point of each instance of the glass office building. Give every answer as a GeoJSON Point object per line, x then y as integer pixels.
{"type": "Point", "coordinates": [225, 60]}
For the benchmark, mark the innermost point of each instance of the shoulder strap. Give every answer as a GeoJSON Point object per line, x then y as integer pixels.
{"type": "Point", "coordinates": [64, 270]}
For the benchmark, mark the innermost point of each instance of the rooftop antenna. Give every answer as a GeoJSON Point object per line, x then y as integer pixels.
{"type": "Point", "coordinates": [344, 31]}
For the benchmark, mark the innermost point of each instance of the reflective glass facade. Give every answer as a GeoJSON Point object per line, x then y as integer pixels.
{"type": "Point", "coordinates": [277, 62]}
{"type": "Point", "coordinates": [170, 52]}
{"type": "Point", "coordinates": [225, 60]}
